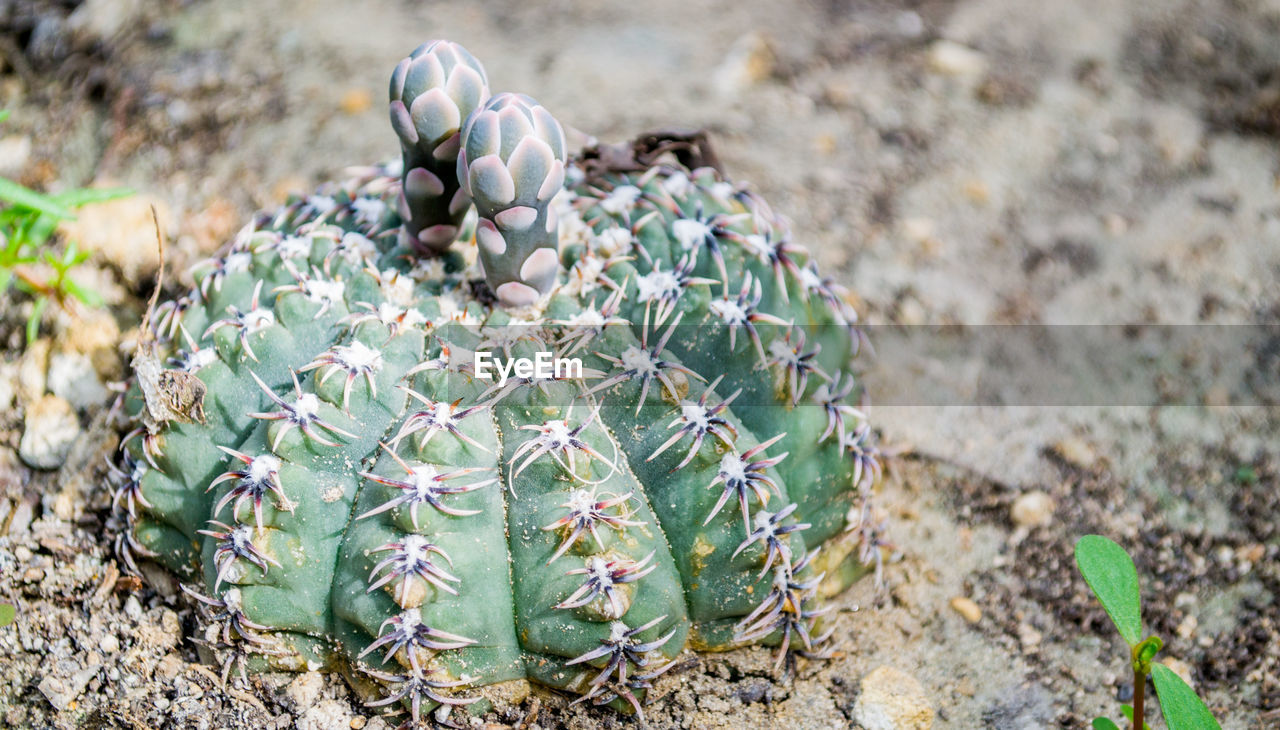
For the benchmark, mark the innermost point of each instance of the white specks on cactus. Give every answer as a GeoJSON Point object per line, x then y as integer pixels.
{"type": "Point", "coordinates": [621, 200]}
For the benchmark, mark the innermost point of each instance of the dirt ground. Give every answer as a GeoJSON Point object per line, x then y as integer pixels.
{"type": "Point", "coordinates": [952, 161]}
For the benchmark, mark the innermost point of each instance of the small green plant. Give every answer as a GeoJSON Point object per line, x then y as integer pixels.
{"type": "Point", "coordinates": [1112, 577]}
{"type": "Point", "coordinates": [8, 612]}
{"type": "Point", "coordinates": [27, 263]}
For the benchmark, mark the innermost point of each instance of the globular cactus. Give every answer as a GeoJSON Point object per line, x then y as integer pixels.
{"type": "Point", "coordinates": [350, 491]}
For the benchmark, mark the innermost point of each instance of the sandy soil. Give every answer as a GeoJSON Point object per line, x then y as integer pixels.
{"type": "Point", "coordinates": [965, 161]}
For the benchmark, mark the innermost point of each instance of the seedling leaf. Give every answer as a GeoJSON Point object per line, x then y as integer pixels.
{"type": "Point", "coordinates": [1102, 723]}
{"type": "Point", "coordinates": [1112, 577]}
{"type": "Point", "coordinates": [8, 613]}
{"type": "Point", "coordinates": [1182, 709]}
{"type": "Point", "coordinates": [16, 194]}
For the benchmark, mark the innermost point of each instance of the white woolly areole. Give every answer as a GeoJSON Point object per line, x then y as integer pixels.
{"type": "Point", "coordinates": [262, 467]}
{"type": "Point", "coordinates": [425, 477]}
{"type": "Point", "coordinates": [321, 204]}
{"type": "Point", "coordinates": [324, 290]}
{"type": "Point", "coordinates": [677, 184]}
{"type": "Point", "coordinates": [622, 199]}
{"type": "Point", "coordinates": [355, 249]}
{"type": "Point", "coordinates": [306, 407]}
{"type": "Point", "coordinates": [396, 288]}
{"type": "Point", "coordinates": [733, 468]}
{"type": "Point", "coordinates": [359, 357]}
{"type": "Point", "coordinates": [689, 232]}
{"type": "Point", "coordinates": [238, 262]}
{"type": "Point", "coordinates": [580, 501]}
{"type": "Point", "coordinates": [614, 241]}
{"type": "Point", "coordinates": [258, 319]}
{"type": "Point", "coordinates": [694, 414]}
{"type": "Point", "coordinates": [556, 434]}
{"type": "Point", "coordinates": [657, 285]}
{"type": "Point", "coordinates": [640, 361]}
{"type": "Point", "coordinates": [729, 311]}
{"type": "Point", "coordinates": [292, 247]}
{"type": "Point", "coordinates": [368, 210]}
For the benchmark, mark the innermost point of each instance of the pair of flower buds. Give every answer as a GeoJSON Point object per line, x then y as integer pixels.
{"type": "Point", "coordinates": [505, 154]}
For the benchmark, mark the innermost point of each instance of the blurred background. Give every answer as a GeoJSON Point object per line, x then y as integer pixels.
{"type": "Point", "coordinates": [978, 162]}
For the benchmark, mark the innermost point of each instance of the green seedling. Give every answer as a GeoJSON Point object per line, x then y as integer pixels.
{"type": "Point", "coordinates": [28, 261]}
{"type": "Point", "coordinates": [8, 612]}
{"type": "Point", "coordinates": [1112, 577]}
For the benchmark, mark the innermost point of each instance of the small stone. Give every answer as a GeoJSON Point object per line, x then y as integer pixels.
{"type": "Point", "coordinates": [50, 429]}
{"type": "Point", "coordinates": [1029, 637]}
{"type": "Point", "coordinates": [304, 691]}
{"type": "Point", "coordinates": [109, 644]}
{"type": "Point", "coordinates": [1076, 452]}
{"type": "Point", "coordinates": [31, 370]}
{"type": "Point", "coordinates": [121, 233]}
{"type": "Point", "coordinates": [953, 59]}
{"type": "Point", "coordinates": [132, 608]}
{"type": "Point", "coordinates": [15, 150]}
{"type": "Point", "coordinates": [72, 376]}
{"type": "Point", "coordinates": [169, 667]}
{"type": "Point", "coordinates": [967, 609]}
{"type": "Point", "coordinates": [749, 61]}
{"type": "Point", "coordinates": [61, 693]}
{"type": "Point", "coordinates": [1033, 509]}
{"type": "Point", "coordinates": [892, 700]}
{"type": "Point", "coordinates": [357, 722]}
{"type": "Point", "coordinates": [355, 101]}
{"type": "Point", "coordinates": [1180, 668]}
{"type": "Point", "coordinates": [325, 715]}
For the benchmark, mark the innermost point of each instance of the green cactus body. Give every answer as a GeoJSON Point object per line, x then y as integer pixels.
{"type": "Point", "coordinates": [357, 497]}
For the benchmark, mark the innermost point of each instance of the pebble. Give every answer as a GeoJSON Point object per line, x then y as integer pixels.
{"type": "Point", "coordinates": [1076, 452]}
{"type": "Point", "coordinates": [121, 232]}
{"type": "Point", "coordinates": [1029, 637]}
{"type": "Point", "coordinates": [1180, 668]}
{"type": "Point", "coordinates": [109, 644]}
{"type": "Point", "coordinates": [953, 59]}
{"type": "Point", "coordinates": [132, 608]}
{"type": "Point", "coordinates": [60, 692]}
{"type": "Point", "coordinates": [1033, 509]}
{"type": "Point", "coordinates": [749, 61]}
{"type": "Point", "coordinates": [325, 715]}
{"type": "Point", "coordinates": [892, 700]}
{"type": "Point", "coordinates": [967, 609]}
{"type": "Point", "coordinates": [73, 377]}
{"type": "Point", "coordinates": [50, 429]}
{"type": "Point", "coordinates": [304, 690]}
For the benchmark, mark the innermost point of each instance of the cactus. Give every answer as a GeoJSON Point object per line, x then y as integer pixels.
{"type": "Point", "coordinates": [349, 491]}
